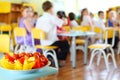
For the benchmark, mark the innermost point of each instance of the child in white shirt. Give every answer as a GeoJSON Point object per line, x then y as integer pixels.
{"type": "Point", "coordinates": [73, 23]}
{"type": "Point", "coordinates": [85, 18]}
{"type": "Point", "coordinates": [100, 23]}
{"type": "Point", "coordinates": [48, 23]}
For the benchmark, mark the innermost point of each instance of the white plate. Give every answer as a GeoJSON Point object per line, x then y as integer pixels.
{"type": "Point", "coordinates": [25, 71]}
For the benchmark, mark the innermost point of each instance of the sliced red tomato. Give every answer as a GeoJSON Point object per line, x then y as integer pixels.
{"type": "Point", "coordinates": [27, 55]}
{"type": "Point", "coordinates": [42, 64]}
{"type": "Point", "coordinates": [30, 54]}
{"type": "Point", "coordinates": [44, 60]}
{"type": "Point", "coordinates": [16, 56]}
{"type": "Point", "coordinates": [36, 55]}
{"type": "Point", "coordinates": [10, 58]}
{"type": "Point", "coordinates": [22, 59]}
{"type": "Point", "coordinates": [37, 64]}
{"type": "Point", "coordinates": [40, 54]}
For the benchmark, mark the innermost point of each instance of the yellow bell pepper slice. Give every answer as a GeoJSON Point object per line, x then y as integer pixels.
{"type": "Point", "coordinates": [28, 65]}
{"type": "Point", "coordinates": [6, 64]}
{"type": "Point", "coordinates": [18, 65]}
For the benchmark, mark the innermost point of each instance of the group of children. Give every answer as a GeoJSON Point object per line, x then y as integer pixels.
{"type": "Point", "coordinates": [50, 24]}
{"type": "Point", "coordinates": [87, 19]}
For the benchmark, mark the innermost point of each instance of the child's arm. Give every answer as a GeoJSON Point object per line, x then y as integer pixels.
{"type": "Point", "coordinates": [28, 25]}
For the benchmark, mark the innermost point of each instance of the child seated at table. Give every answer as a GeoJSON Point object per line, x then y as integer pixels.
{"type": "Point", "coordinates": [111, 22]}
{"type": "Point", "coordinates": [73, 23]}
{"type": "Point", "coordinates": [61, 15]}
{"type": "Point", "coordinates": [26, 22]}
{"type": "Point", "coordinates": [85, 18]}
{"type": "Point", "coordinates": [48, 23]}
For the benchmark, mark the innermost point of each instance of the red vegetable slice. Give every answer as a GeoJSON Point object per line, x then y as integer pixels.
{"type": "Point", "coordinates": [22, 59]}
{"type": "Point", "coordinates": [10, 58]}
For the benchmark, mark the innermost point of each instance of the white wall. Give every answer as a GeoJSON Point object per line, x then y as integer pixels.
{"type": "Point", "coordinates": [93, 5]}
{"type": "Point", "coordinates": [96, 5]}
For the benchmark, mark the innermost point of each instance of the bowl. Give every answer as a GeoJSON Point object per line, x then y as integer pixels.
{"type": "Point", "coordinates": [24, 71]}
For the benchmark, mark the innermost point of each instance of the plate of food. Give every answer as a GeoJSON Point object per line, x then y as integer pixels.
{"type": "Point", "coordinates": [23, 62]}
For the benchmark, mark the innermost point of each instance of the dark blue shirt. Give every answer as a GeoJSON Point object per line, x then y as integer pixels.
{"type": "Point", "coordinates": [110, 24]}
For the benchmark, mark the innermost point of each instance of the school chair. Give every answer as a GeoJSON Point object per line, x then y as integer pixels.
{"type": "Point", "coordinates": [19, 32]}
{"type": "Point", "coordinates": [66, 28]}
{"type": "Point", "coordinates": [81, 42]}
{"type": "Point", "coordinates": [99, 33]}
{"type": "Point", "coordinates": [13, 26]}
{"type": "Point", "coordinates": [4, 43]}
{"type": "Point", "coordinates": [40, 35]}
{"type": "Point", "coordinates": [99, 49]}
{"type": "Point", "coordinates": [6, 29]}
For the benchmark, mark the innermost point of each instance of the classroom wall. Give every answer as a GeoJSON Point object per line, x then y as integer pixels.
{"type": "Point", "coordinates": [14, 1]}
{"type": "Point", "coordinates": [38, 4]}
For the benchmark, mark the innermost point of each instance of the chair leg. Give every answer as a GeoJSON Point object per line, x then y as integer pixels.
{"type": "Point", "coordinates": [11, 45]}
{"type": "Point", "coordinates": [92, 57]}
{"type": "Point", "coordinates": [99, 58]}
{"type": "Point", "coordinates": [118, 48]}
{"type": "Point", "coordinates": [52, 51]}
{"type": "Point", "coordinates": [106, 60]}
{"type": "Point", "coordinates": [54, 57]}
{"type": "Point", "coordinates": [22, 48]}
{"type": "Point", "coordinates": [113, 58]}
{"type": "Point", "coordinates": [16, 48]}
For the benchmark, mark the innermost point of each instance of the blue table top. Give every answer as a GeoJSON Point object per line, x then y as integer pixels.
{"type": "Point", "coordinates": [76, 33]}
{"type": "Point", "coordinates": [5, 75]}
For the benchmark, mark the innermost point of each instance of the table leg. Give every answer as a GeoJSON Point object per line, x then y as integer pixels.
{"type": "Point", "coordinates": [86, 50]}
{"type": "Point", "coordinates": [73, 52]}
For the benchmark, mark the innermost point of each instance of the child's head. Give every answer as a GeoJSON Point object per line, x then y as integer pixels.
{"type": "Point", "coordinates": [84, 11]}
{"type": "Point", "coordinates": [47, 7]}
{"type": "Point", "coordinates": [112, 14]}
{"type": "Point", "coordinates": [31, 12]}
{"type": "Point", "coordinates": [91, 15]}
{"type": "Point", "coordinates": [71, 16]}
{"type": "Point", "coordinates": [101, 14]}
{"type": "Point", "coordinates": [35, 16]}
{"type": "Point", "coordinates": [27, 11]}
{"type": "Point", "coordinates": [61, 14]}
